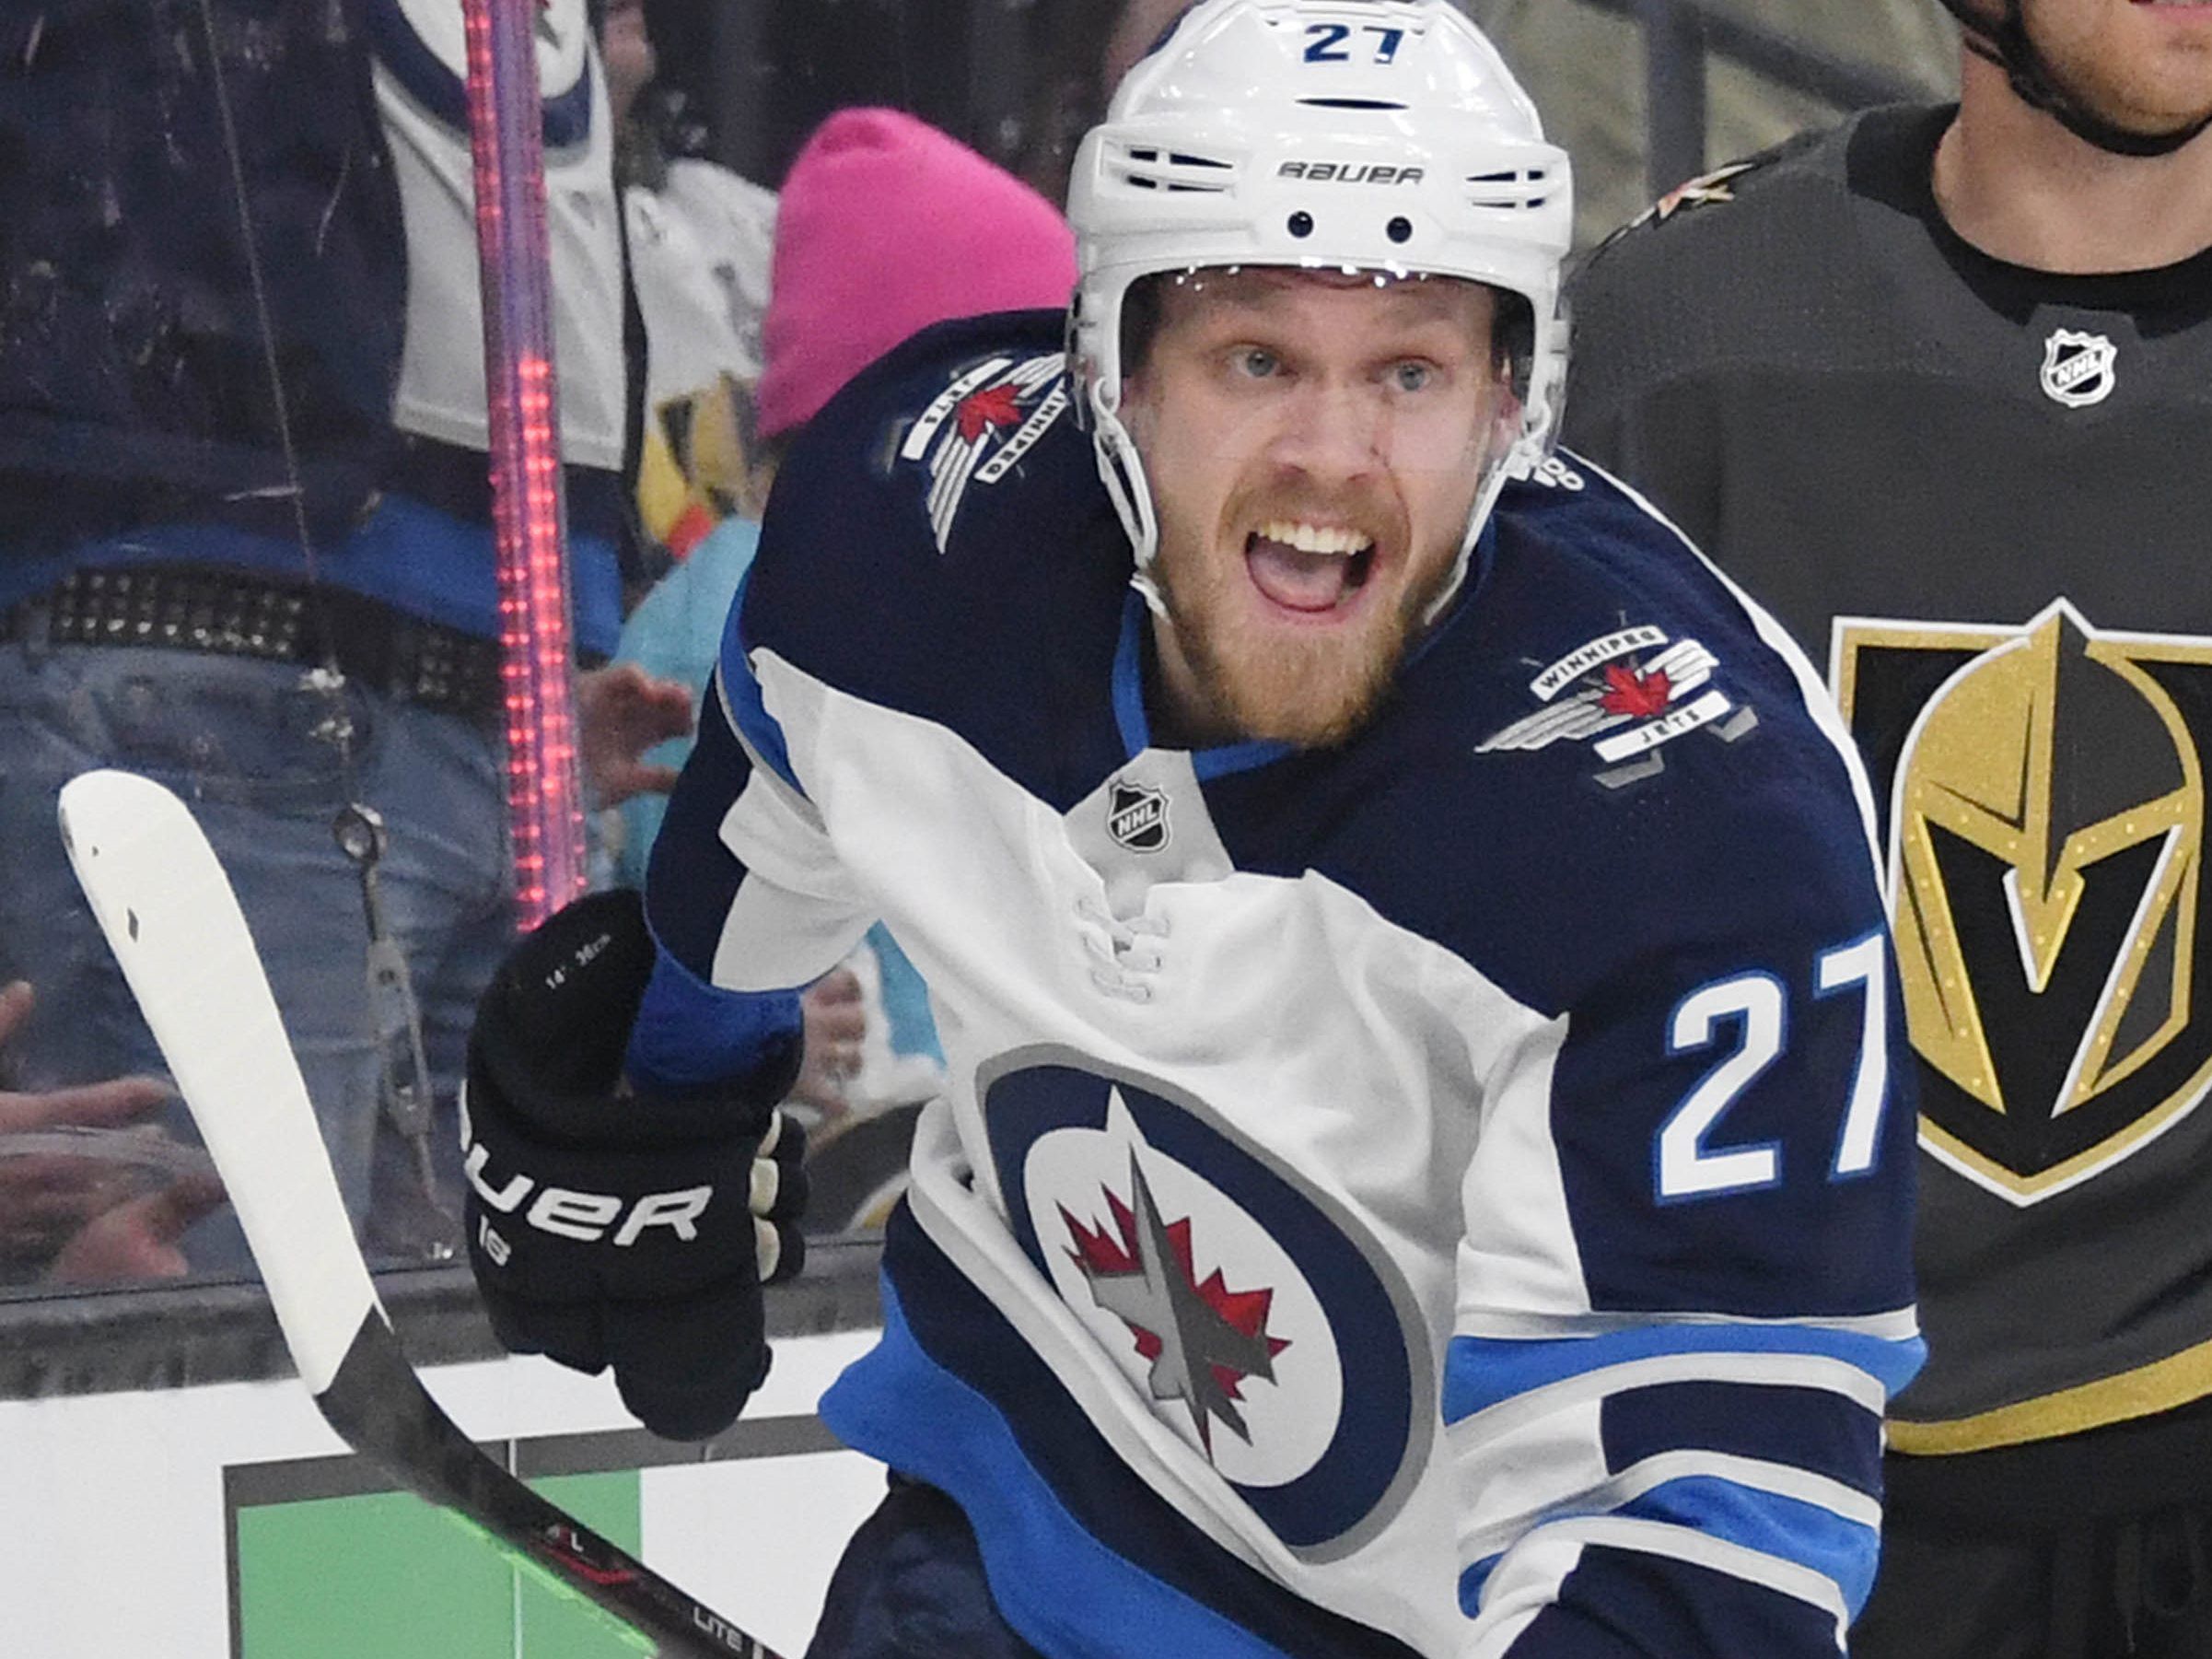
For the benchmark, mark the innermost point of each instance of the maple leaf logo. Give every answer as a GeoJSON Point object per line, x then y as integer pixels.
{"type": "Point", "coordinates": [993, 407]}
{"type": "Point", "coordinates": [1204, 1341]}
{"type": "Point", "coordinates": [1639, 697]}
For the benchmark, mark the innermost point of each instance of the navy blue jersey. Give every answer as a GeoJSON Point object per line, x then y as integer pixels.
{"type": "Point", "coordinates": [1443, 1194]}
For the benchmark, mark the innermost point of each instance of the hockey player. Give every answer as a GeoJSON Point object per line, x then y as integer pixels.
{"type": "Point", "coordinates": [1938, 387]}
{"type": "Point", "coordinates": [1423, 1172]}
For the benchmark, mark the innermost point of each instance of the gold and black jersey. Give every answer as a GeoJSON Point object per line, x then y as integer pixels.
{"type": "Point", "coordinates": [1984, 494]}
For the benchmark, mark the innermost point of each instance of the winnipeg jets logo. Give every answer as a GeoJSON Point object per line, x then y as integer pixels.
{"type": "Point", "coordinates": [2080, 370]}
{"type": "Point", "coordinates": [1239, 1305]}
{"type": "Point", "coordinates": [1204, 1340]}
{"type": "Point", "coordinates": [978, 428]}
{"type": "Point", "coordinates": [1626, 694]}
{"type": "Point", "coordinates": [1136, 817]}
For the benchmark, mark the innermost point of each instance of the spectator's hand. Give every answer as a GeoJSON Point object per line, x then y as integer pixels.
{"type": "Point", "coordinates": [834, 1020]}
{"type": "Point", "coordinates": [93, 1210]}
{"type": "Point", "coordinates": [137, 1239]}
{"type": "Point", "coordinates": [622, 711]}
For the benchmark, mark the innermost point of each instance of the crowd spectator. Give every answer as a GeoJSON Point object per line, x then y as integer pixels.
{"type": "Point", "coordinates": [699, 238]}
{"type": "Point", "coordinates": [242, 434]}
{"type": "Point", "coordinates": [103, 1199]}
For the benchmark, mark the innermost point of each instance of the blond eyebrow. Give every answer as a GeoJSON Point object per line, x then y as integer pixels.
{"type": "Point", "coordinates": [1252, 292]}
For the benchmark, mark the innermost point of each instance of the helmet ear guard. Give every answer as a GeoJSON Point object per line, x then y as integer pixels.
{"type": "Point", "coordinates": [1382, 135]}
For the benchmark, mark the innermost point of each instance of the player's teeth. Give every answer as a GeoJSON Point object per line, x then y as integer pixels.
{"type": "Point", "coordinates": [1315, 538]}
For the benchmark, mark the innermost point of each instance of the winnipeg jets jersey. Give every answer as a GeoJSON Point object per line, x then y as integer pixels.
{"type": "Point", "coordinates": [1443, 1194]}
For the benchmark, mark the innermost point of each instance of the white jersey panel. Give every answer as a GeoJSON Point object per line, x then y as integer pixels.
{"type": "Point", "coordinates": [1034, 953]}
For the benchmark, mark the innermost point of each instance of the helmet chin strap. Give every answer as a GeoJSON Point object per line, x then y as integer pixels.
{"type": "Point", "coordinates": [2005, 42]}
{"type": "Point", "coordinates": [1122, 471]}
{"type": "Point", "coordinates": [1496, 471]}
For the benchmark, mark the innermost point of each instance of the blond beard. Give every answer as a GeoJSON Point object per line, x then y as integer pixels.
{"type": "Point", "coordinates": [1311, 694]}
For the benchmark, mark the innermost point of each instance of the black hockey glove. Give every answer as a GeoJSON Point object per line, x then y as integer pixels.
{"type": "Point", "coordinates": [608, 1228]}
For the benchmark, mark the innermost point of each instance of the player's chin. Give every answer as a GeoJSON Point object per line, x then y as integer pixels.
{"type": "Point", "coordinates": [1310, 690]}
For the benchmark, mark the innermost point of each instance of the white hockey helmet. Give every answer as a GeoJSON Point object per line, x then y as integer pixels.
{"type": "Point", "coordinates": [1385, 136]}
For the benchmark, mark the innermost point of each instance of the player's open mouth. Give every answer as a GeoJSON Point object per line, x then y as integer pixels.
{"type": "Point", "coordinates": [1306, 567]}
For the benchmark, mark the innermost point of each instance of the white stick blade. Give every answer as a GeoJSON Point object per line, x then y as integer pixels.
{"type": "Point", "coordinates": [169, 915]}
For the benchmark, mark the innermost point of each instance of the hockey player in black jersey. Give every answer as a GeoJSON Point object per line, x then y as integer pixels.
{"type": "Point", "coordinates": [1423, 1171]}
{"type": "Point", "coordinates": [1937, 387]}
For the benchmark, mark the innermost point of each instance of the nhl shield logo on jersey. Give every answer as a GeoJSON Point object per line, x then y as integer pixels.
{"type": "Point", "coordinates": [1247, 1310]}
{"type": "Point", "coordinates": [1627, 694]}
{"type": "Point", "coordinates": [2044, 797]}
{"type": "Point", "coordinates": [2080, 370]}
{"type": "Point", "coordinates": [977, 430]}
{"type": "Point", "coordinates": [1136, 816]}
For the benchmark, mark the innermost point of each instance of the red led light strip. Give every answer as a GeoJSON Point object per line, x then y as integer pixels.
{"type": "Point", "coordinates": [545, 800]}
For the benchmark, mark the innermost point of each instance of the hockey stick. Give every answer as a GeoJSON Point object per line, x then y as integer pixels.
{"type": "Point", "coordinates": [167, 908]}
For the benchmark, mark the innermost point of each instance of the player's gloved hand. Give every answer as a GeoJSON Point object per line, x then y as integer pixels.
{"type": "Point", "coordinates": [608, 1228]}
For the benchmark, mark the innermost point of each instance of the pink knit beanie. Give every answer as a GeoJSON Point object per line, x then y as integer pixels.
{"type": "Point", "coordinates": [886, 226]}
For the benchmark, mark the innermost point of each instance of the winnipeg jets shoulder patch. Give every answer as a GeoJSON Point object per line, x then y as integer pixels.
{"type": "Point", "coordinates": [975, 431]}
{"type": "Point", "coordinates": [1626, 694]}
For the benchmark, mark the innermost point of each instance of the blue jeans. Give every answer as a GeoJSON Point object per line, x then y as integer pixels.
{"type": "Point", "coordinates": [244, 744]}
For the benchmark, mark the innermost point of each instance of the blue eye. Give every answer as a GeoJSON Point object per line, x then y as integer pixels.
{"type": "Point", "coordinates": [1412, 376]}
{"type": "Point", "coordinates": [1257, 362]}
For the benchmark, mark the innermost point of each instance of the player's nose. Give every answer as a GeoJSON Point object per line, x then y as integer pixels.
{"type": "Point", "coordinates": [1332, 432]}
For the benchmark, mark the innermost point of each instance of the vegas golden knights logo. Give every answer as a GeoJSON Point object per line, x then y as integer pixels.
{"type": "Point", "coordinates": [2043, 794]}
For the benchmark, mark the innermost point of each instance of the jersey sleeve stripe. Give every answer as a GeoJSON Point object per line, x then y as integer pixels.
{"type": "Point", "coordinates": [1718, 1554]}
{"type": "Point", "coordinates": [689, 1034]}
{"type": "Point", "coordinates": [1807, 1428]}
{"type": "Point", "coordinates": [1808, 1534]}
{"type": "Point", "coordinates": [1478, 1432]}
{"type": "Point", "coordinates": [1483, 1373]}
{"type": "Point", "coordinates": [1564, 1594]}
{"type": "Point", "coordinates": [1897, 1325]}
{"type": "Point", "coordinates": [1775, 1510]}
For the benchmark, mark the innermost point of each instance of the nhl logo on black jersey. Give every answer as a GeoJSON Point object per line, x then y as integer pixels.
{"type": "Point", "coordinates": [2080, 370]}
{"type": "Point", "coordinates": [2044, 797]}
{"type": "Point", "coordinates": [1136, 817]}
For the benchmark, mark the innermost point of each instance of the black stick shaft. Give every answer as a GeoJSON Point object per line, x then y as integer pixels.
{"type": "Point", "coordinates": [380, 1405]}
